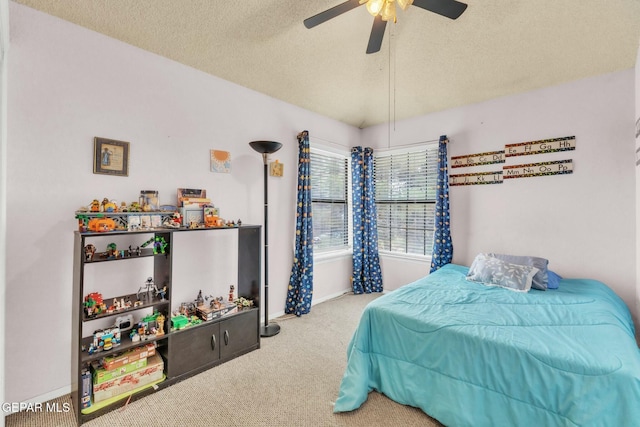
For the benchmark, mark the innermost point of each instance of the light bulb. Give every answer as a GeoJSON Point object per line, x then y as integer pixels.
{"type": "Point", "coordinates": [375, 6]}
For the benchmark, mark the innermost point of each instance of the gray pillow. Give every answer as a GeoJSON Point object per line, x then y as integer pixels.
{"type": "Point", "coordinates": [541, 279]}
{"type": "Point", "coordinates": [492, 271]}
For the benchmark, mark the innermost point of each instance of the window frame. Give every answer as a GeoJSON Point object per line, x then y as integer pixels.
{"type": "Point", "coordinates": [386, 228]}
{"type": "Point", "coordinates": [338, 250]}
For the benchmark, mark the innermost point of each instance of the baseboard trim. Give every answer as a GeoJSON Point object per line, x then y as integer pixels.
{"type": "Point", "coordinates": [67, 389]}
{"type": "Point", "coordinates": [313, 302]}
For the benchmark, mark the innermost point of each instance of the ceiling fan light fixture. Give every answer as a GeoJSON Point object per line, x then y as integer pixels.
{"type": "Point", "coordinates": [389, 11]}
{"type": "Point", "coordinates": [404, 4]}
{"type": "Point", "coordinates": [374, 7]}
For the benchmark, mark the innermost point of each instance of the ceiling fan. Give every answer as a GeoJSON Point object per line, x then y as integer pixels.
{"type": "Point", "coordinates": [385, 10]}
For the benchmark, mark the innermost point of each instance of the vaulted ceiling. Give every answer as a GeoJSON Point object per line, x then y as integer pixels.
{"type": "Point", "coordinates": [427, 62]}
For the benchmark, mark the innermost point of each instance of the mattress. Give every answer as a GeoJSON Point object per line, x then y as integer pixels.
{"type": "Point", "coordinates": [473, 355]}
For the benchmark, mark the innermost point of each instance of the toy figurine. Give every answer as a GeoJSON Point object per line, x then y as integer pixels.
{"type": "Point", "coordinates": [216, 303]}
{"type": "Point", "coordinates": [148, 288]}
{"type": "Point", "coordinates": [95, 206]}
{"type": "Point", "coordinates": [89, 252]}
{"type": "Point", "coordinates": [102, 224]}
{"type": "Point", "coordinates": [160, 321]}
{"type": "Point", "coordinates": [199, 299]}
{"type": "Point", "coordinates": [159, 244]}
{"type": "Point", "coordinates": [232, 290]}
{"type": "Point", "coordinates": [135, 207]}
{"type": "Point", "coordinates": [112, 251]}
{"type": "Point", "coordinates": [162, 293]}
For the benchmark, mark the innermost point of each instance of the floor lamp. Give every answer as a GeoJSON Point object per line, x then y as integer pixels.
{"type": "Point", "coordinates": [265, 148]}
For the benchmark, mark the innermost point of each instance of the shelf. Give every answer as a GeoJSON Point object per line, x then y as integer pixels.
{"type": "Point", "coordinates": [143, 253]}
{"type": "Point", "coordinates": [125, 344]}
{"type": "Point", "coordinates": [155, 301]}
{"type": "Point", "coordinates": [185, 352]}
{"type": "Point", "coordinates": [208, 322]}
{"type": "Point", "coordinates": [105, 403]}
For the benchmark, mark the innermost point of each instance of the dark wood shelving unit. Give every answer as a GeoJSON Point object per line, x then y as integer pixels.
{"type": "Point", "coordinates": [186, 352]}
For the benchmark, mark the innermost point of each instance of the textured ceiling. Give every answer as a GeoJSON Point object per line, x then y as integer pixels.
{"type": "Point", "coordinates": [427, 63]}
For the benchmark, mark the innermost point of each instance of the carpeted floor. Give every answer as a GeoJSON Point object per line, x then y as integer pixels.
{"type": "Point", "coordinates": [292, 380]}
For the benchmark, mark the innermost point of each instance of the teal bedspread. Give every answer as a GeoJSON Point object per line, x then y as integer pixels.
{"type": "Point", "coordinates": [472, 355]}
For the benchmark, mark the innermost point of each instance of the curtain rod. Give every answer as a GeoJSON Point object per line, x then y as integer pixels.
{"type": "Point", "coordinates": [389, 147]}
{"type": "Point", "coordinates": [330, 142]}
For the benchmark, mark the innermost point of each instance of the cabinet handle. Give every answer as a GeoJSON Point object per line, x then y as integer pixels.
{"type": "Point", "coordinates": [213, 342]}
{"type": "Point", "coordinates": [226, 337]}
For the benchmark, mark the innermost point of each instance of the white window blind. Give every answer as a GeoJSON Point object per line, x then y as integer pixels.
{"type": "Point", "coordinates": [405, 200]}
{"type": "Point", "coordinates": [329, 194]}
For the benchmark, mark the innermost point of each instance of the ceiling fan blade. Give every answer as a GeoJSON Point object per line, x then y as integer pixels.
{"type": "Point", "coordinates": [447, 8]}
{"type": "Point", "coordinates": [377, 33]}
{"type": "Point", "coordinates": [331, 13]}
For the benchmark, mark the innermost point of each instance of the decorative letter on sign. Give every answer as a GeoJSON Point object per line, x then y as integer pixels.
{"type": "Point", "coordinates": [540, 147]}
{"type": "Point", "coordinates": [538, 169]}
{"type": "Point", "coordinates": [476, 178]}
{"type": "Point", "coordinates": [477, 159]}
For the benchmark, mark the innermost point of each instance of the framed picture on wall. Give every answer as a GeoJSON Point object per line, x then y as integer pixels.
{"type": "Point", "coordinates": [110, 157]}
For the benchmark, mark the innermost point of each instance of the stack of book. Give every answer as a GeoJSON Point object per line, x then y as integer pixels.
{"type": "Point", "coordinates": [192, 198]}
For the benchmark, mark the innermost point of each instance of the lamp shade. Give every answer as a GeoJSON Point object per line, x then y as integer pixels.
{"type": "Point", "coordinates": [265, 147]}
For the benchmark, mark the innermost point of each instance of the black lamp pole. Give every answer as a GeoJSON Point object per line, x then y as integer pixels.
{"type": "Point", "coordinates": [266, 148]}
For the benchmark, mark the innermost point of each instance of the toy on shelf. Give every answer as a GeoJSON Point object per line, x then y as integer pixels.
{"type": "Point", "coordinates": [147, 290]}
{"type": "Point", "coordinates": [158, 242]}
{"type": "Point", "coordinates": [179, 322]}
{"type": "Point", "coordinates": [105, 340]}
{"type": "Point", "coordinates": [94, 206]}
{"type": "Point", "coordinates": [243, 302]}
{"type": "Point", "coordinates": [187, 309]}
{"type": "Point", "coordinates": [109, 205]}
{"type": "Point", "coordinates": [160, 321]}
{"type": "Point", "coordinates": [174, 222]}
{"type": "Point", "coordinates": [89, 252]}
{"type": "Point", "coordinates": [135, 251]}
{"type": "Point", "coordinates": [135, 207]}
{"type": "Point", "coordinates": [112, 251]}
{"type": "Point", "coordinates": [102, 224]}
{"type": "Point", "coordinates": [94, 305]}
{"type": "Point", "coordinates": [124, 323]}
{"type": "Point", "coordinates": [162, 293]}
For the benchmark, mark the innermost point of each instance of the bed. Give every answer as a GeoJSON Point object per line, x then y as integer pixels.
{"type": "Point", "coordinates": [474, 355]}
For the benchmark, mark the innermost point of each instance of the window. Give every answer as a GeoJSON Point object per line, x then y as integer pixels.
{"type": "Point", "coordinates": [406, 200]}
{"type": "Point", "coordinates": [329, 192]}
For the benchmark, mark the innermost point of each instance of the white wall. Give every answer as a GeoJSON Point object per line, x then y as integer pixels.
{"type": "Point", "coordinates": [68, 85]}
{"type": "Point", "coordinates": [583, 223]}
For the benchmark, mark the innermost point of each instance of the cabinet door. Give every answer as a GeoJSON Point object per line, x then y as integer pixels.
{"type": "Point", "coordinates": [193, 348]}
{"type": "Point", "coordinates": [238, 334]}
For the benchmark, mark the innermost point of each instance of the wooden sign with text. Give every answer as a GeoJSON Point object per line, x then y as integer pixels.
{"type": "Point", "coordinates": [540, 147]}
{"type": "Point", "coordinates": [559, 167]}
{"type": "Point", "coordinates": [487, 158]}
{"type": "Point", "coordinates": [477, 178]}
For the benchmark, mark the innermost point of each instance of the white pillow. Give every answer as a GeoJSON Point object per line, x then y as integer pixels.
{"type": "Point", "coordinates": [492, 271]}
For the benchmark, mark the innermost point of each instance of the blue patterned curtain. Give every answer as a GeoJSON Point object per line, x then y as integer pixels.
{"type": "Point", "coordinates": [367, 276]}
{"type": "Point", "coordinates": [301, 281]}
{"type": "Point", "coordinates": [442, 245]}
